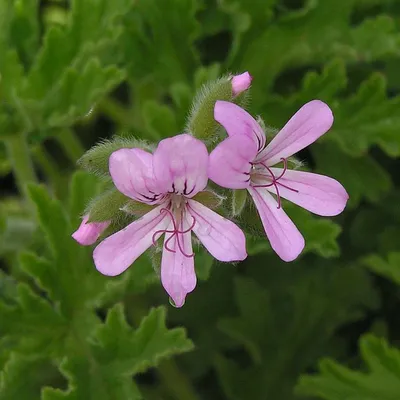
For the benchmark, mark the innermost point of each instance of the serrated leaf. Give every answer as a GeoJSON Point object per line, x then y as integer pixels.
{"type": "Point", "coordinates": [73, 69]}
{"type": "Point", "coordinates": [135, 352]}
{"type": "Point", "coordinates": [367, 118]}
{"type": "Point", "coordinates": [153, 31]}
{"type": "Point", "coordinates": [336, 382]}
{"type": "Point", "coordinates": [284, 342]}
{"type": "Point", "coordinates": [90, 22]}
{"type": "Point", "coordinates": [118, 352]}
{"type": "Point", "coordinates": [89, 380]}
{"type": "Point", "coordinates": [70, 275]}
{"type": "Point", "coordinates": [33, 322]}
{"type": "Point", "coordinates": [31, 370]}
{"type": "Point", "coordinates": [77, 91]}
{"type": "Point", "coordinates": [389, 268]}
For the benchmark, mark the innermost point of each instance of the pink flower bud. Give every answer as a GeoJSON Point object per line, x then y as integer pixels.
{"type": "Point", "coordinates": [88, 233]}
{"type": "Point", "coordinates": [241, 82]}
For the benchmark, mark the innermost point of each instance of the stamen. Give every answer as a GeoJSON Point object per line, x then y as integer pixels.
{"type": "Point", "coordinates": [275, 180]}
{"type": "Point", "coordinates": [174, 232]}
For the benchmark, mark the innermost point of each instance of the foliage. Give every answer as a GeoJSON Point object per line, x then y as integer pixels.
{"type": "Point", "coordinates": [100, 75]}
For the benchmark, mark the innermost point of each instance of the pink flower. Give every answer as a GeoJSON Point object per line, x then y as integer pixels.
{"type": "Point", "coordinates": [169, 178]}
{"type": "Point", "coordinates": [241, 82]}
{"type": "Point", "coordinates": [243, 161]}
{"type": "Point", "coordinates": [88, 233]}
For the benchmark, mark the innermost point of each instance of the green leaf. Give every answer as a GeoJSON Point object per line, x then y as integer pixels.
{"type": "Point", "coordinates": [31, 370]}
{"type": "Point", "coordinates": [147, 346]}
{"type": "Point", "coordinates": [203, 264]}
{"type": "Point", "coordinates": [321, 234]}
{"type": "Point", "coordinates": [89, 380]}
{"type": "Point", "coordinates": [25, 29]}
{"type": "Point", "coordinates": [133, 282]}
{"type": "Point", "coordinates": [362, 120]}
{"type": "Point", "coordinates": [153, 32]}
{"type": "Point", "coordinates": [118, 352]}
{"type": "Point", "coordinates": [77, 91]}
{"type": "Point", "coordinates": [159, 120]}
{"type": "Point", "coordinates": [33, 323]}
{"type": "Point", "coordinates": [83, 187]}
{"type": "Point", "coordinates": [321, 33]}
{"type": "Point", "coordinates": [336, 382]}
{"type": "Point", "coordinates": [91, 23]}
{"type": "Point", "coordinates": [362, 177]}
{"type": "Point", "coordinates": [68, 273]}
{"type": "Point", "coordinates": [389, 268]}
{"type": "Point", "coordinates": [74, 68]}
{"type": "Point", "coordinates": [283, 341]}
{"type": "Point", "coordinates": [367, 118]}
{"type": "Point", "coordinates": [96, 159]}
{"type": "Point", "coordinates": [16, 232]}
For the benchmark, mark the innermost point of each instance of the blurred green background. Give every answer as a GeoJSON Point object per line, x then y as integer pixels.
{"type": "Point", "coordinates": [323, 327]}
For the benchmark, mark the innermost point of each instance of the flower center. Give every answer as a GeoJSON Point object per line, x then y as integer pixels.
{"type": "Point", "coordinates": [176, 213]}
{"type": "Point", "coordinates": [259, 175]}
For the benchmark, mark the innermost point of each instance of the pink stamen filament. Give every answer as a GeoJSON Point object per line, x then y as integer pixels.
{"type": "Point", "coordinates": [174, 232]}
{"type": "Point", "coordinates": [275, 180]}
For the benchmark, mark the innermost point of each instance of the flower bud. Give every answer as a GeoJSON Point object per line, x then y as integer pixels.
{"type": "Point", "coordinates": [241, 82]}
{"type": "Point", "coordinates": [89, 232]}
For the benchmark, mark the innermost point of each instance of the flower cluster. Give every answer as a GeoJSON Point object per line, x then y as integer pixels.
{"type": "Point", "coordinates": [171, 179]}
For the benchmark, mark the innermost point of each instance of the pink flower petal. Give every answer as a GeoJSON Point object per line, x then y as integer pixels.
{"type": "Point", "coordinates": [116, 253]}
{"type": "Point", "coordinates": [132, 173]}
{"type": "Point", "coordinates": [221, 237]}
{"type": "Point", "coordinates": [177, 269]}
{"type": "Point", "coordinates": [285, 238]}
{"type": "Point", "coordinates": [237, 121]}
{"type": "Point", "coordinates": [180, 165]}
{"type": "Point", "coordinates": [305, 127]}
{"type": "Point", "coordinates": [88, 233]}
{"type": "Point", "coordinates": [316, 193]}
{"type": "Point", "coordinates": [241, 82]}
{"type": "Point", "coordinates": [230, 162]}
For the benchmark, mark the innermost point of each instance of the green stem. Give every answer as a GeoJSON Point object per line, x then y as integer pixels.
{"type": "Point", "coordinates": [50, 169]}
{"type": "Point", "coordinates": [20, 157]}
{"type": "Point", "coordinates": [177, 384]}
{"type": "Point", "coordinates": [71, 144]}
{"type": "Point", "coordinates": [117, 112]}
